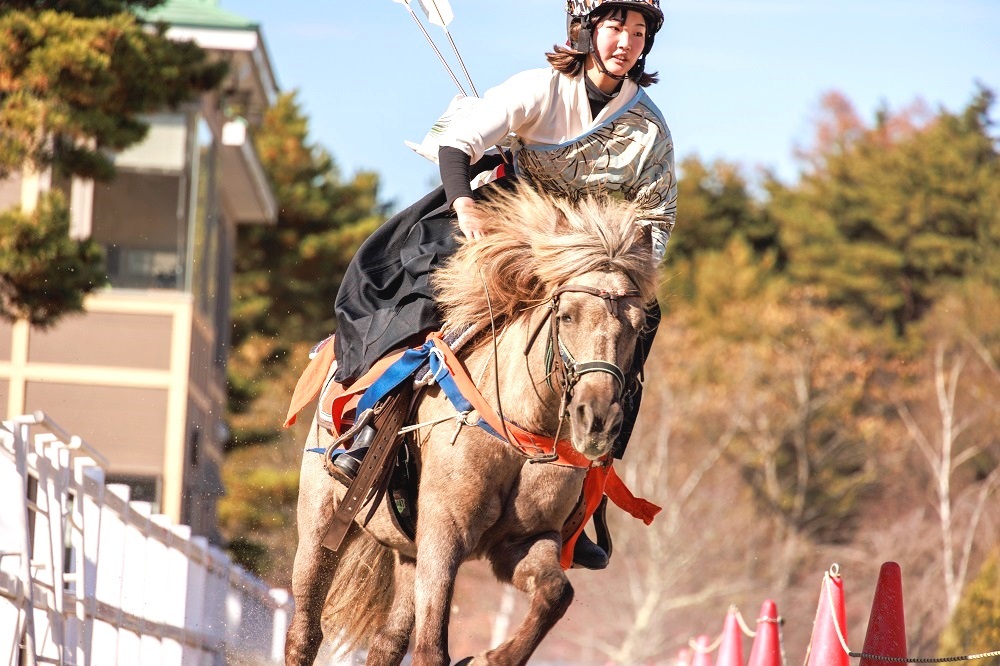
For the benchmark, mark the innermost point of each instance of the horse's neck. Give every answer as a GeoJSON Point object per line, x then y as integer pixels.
{"type": "Point", "coordinates": [524, 396]}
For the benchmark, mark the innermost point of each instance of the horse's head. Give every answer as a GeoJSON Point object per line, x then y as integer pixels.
{"type": "Point", "coordinates": [591, 261]}
{"type": "Point", "coordinates": [594, 324]}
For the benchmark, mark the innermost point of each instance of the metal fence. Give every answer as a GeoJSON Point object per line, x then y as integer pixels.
{"type": "Point", "coordinates": [87, 577]}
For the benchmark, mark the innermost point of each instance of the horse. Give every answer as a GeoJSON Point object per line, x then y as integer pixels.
{"type": "Point", "coordinates": [480, 497]}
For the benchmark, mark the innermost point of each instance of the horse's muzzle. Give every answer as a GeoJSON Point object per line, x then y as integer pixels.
{"type": "Point", "coordinates": [594, 426]}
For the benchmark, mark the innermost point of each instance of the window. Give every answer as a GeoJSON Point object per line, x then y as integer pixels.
{"type": "Point", "coordinates": [140, 216]}
{"type": "Point", "coordinates": [142, 488]}
{"type": "Point", "coordinates": [194, 446]}
{"type": "Point", "coordinates": [205, 232]}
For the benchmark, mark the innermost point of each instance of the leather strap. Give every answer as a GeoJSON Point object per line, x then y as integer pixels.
{"type": "Point", "coordinates": [601, 526]}
{"type": "Point", "coordinates": [575, 520]}
{"type": "Point", "coordinates": [372, 478]}
{"type": "Point", "coordinates": [527, 443]}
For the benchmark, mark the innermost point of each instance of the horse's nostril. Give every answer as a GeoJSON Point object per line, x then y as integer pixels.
{"type": "Point", "coordinates": [615, 418]}
{"type": "Point", "coordinates": [593, 423]}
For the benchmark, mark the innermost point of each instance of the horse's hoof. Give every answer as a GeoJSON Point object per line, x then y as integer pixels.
{"type": "Point", "coordinates": [464, 662]}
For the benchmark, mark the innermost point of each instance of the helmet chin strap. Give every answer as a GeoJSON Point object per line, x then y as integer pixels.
{"type": "Point", "coordinates": [604, 70]}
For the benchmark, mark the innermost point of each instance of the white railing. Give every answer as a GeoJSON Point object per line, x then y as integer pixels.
{"type": "Point", "coordinates": [87, 577]}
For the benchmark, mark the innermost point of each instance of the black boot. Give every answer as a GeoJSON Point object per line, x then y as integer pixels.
{"type": "Point", "coordinates": [590, 555]}
{"type": "Point", "coordinates": [349, 462]}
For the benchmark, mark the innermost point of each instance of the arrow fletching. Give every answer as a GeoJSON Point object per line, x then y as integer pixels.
{"type": "Point", "coordinates": [438, 12]}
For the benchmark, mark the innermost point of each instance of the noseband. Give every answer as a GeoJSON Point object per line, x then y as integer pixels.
{"type": "Point", "coordinates": [563, 371]}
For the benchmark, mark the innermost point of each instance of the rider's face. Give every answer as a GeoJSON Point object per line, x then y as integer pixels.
{"type": "Point", "coordinates": [619, 40]}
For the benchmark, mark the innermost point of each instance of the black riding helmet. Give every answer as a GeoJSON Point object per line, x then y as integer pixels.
{"type": "Point", "coordinates": [585, 11]}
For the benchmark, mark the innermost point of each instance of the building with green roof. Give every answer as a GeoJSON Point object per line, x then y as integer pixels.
{"type": "Point", "coordinates": [141, 376]}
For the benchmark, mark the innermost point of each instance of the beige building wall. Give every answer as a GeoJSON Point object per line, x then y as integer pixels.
{"type": "Point", "coordinates": [126, 423]}
{"type": "Point", "coordinates": [5, 338]}
{"type": "Point", "coordinates": [118, 376]}
{"type": "Point", "coordinates": [136, 340]}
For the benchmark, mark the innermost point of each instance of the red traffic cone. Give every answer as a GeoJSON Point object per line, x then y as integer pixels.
{"type": "Point", "coordinates": [766, 650]}
{"type": "Point", "coordinates": [886, 635]}
{"type": "Point", "coordinates": [825, 648]}
{"type": "Point", "coordinates": [684, 657]}
{"type": "Point", "coordinates": [701, 653]}
{"type": "Point", "coordinates": [731, 648]}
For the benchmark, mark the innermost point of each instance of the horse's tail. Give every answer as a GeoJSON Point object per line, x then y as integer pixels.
{"type": "Point", "coordinates": [361, 592]}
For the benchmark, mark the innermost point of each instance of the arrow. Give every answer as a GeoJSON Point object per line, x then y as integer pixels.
{"type": "Point", "coordinates": [440, 16]}
{"type": "Point", "coordinates": [439, 13]}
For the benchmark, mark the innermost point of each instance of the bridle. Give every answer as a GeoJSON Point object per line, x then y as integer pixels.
{"type": "Point", "coordinates": [562, 370]}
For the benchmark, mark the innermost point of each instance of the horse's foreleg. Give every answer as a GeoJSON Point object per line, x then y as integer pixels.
{"type": "Point", "coordinates": [437, 565]}
{"type": "Point", "coordinates": [314, 565]}
{"type": "Point", "coordinates": [313, 571]}
{"type": "Point", "coordinates": [389, 646]}
{"type": "Point", "coordinates": [538, 575]}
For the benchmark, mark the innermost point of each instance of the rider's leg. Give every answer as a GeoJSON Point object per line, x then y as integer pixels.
{"type": "Point", "coordinates": [634, 396]}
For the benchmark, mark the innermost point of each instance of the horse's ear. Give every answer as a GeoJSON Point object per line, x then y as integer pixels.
{"type": "Point", "coordinates": [647, 236]}
{"type": "Point", "coordinates": [561, 221]}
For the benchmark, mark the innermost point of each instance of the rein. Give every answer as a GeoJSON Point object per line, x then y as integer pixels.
{"type": "Point", "coordinates": [564, 371]}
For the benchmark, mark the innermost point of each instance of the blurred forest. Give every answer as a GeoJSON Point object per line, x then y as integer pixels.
{"type": "Point", "coordinates": [825, 387]}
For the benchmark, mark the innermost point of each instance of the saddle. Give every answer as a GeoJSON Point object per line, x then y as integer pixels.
{"type": "Point", "coordinates": [387, 469]}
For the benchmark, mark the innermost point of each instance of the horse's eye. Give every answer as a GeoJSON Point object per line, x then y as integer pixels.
{"type": "Point", "coordinates": [565, 319]}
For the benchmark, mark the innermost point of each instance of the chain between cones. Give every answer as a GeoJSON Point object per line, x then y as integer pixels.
{"type": "Point", "coordinates": [897, 660]}
{"type": "Point", "coordinates": [743, 625]}
{"type": "Point", "coordinates": [692, 643]}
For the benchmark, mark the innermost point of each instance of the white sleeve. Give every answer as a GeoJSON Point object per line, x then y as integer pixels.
{"type": "Point", "coordinates": [657, 194]}
{"type": "Point", "coordinates": [485, 122]}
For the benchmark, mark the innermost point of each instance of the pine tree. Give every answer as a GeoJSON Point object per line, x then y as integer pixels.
{"type": "Point", "coordinates": [717, 208]}
{"type": "Point", "coordinates": [286, 280]}
{"type": "Point", "coordinates": [888, 214]}
{"type": "Point", "coordinates": [73, 87]}
{"type": "Point", "coordinates": [43, 272]}
{"type": "Point", "coordinates": [75, 77]}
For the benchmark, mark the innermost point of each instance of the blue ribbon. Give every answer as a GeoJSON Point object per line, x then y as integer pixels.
{"type": "Point", "coordinates": [394, 375]}
{"type": "Point", "coordinates": [444, 378]}
{"type": "Point", "coordinates": [405, 367]}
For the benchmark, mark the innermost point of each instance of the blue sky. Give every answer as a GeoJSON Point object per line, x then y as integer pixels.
{"type": "Point", "coordinates": [740, 80]}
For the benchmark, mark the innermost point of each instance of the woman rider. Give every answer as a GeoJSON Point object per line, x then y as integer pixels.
{"type": "Point", "coordinates": [583, 125]}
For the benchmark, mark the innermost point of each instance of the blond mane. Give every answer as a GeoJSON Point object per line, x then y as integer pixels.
{"type": "Point", "coordinates": [534, 243]}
